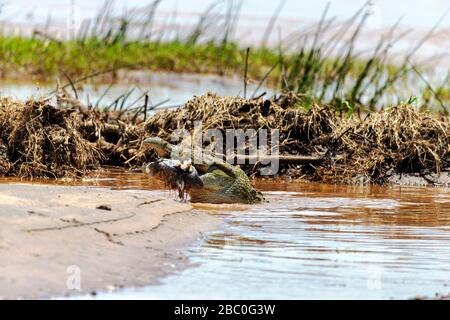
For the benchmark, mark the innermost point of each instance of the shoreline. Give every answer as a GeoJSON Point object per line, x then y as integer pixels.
{"type": "Point", "coordinates": [56, 237]}
{"type": "Point", "coordinates": [65, 229]}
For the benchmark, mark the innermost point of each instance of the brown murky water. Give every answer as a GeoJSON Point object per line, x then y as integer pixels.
{"type": "Point", "coordinates": [312, 241]}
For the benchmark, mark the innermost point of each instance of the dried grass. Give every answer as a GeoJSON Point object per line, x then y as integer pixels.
{"type": "Point", "coordinates": [38, 139]}
{"type": "Point", "coordinates": [400, 139]}
{"type": "Point", "coordinates": [397, 140]}
{"type": "Point", "coordinates": [62, 138]}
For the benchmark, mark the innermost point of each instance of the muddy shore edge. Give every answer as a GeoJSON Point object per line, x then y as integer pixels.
{"type": "Point", "coordinates": [59, 241]}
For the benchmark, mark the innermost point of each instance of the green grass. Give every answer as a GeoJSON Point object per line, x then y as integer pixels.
{"type": "Point", "coordinates": [45, 59]}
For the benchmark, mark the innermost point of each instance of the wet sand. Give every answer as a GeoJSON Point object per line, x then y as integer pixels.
{"type": "Point", "coordinates": [50, 235]}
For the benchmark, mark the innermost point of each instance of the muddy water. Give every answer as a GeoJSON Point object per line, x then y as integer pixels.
{"type": "Point", "coordinates": [313, 241]}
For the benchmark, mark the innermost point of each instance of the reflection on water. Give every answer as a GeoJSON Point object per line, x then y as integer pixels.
{"type": "Point", "coordinates": [314, 241]}
{"type": "Point", "coordinates": [173, 88]}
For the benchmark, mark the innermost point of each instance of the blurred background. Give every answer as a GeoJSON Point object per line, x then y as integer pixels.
{"type": "Point", "coordinates": [379, 52]}
{"type": "Point", "coordinates": [66, 15]}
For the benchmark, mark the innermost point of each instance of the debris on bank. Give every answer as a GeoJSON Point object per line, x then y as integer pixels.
{"type": "Point", "coordinates": [38, 139]}
{"type": "Point", "coordinates": [394, 141]}
{"type": "Point", "coordinates": [60, 137]}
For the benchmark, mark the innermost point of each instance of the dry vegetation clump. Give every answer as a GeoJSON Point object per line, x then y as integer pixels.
{"type": "Point", "coordinates": [117, 134]}
{"type": "Point", "coordinates": [349, 150]}
{"type": "Point", "coordinates": [59, 137]}
{"type": "Point", "coordinates": [397, 140]}
{"type": "Point", "coordinates": [38, 139]}
{"type": "Point", "coordinates": [301, 132]}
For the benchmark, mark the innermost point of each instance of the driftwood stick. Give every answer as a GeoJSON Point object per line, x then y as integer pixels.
{"type": "Point", "coordinates": [281, 158]}
{"type": "Point", "coordinates": [254, 158]}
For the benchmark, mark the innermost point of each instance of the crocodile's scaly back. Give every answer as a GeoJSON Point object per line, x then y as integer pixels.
{"type": "Point", "coordinates": [222, 187]}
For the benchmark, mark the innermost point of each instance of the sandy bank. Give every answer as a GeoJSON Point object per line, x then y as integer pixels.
{"type": "Point", "coordinates": [53, 238]}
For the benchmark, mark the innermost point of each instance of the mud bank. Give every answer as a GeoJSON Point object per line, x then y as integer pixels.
{"type": "Point", "coordinates": [59, 137]}
{"type": "Point", "coordinates": [325, 143]}
{"type": "Point", "coordinates": [111, 239]}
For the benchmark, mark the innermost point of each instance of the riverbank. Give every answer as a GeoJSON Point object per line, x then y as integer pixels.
{"type": "Point", "coordinates": [60, 137]}
{"type": "Point", "coordinates": [111, 239]}
{"type": "Point", "coordinates": [322, 143]}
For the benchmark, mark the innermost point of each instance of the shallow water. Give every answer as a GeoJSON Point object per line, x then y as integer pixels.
{"type": "Point", "coordinates": [172, 88]}
{"type": "Point", "coordinates": [312, 241]}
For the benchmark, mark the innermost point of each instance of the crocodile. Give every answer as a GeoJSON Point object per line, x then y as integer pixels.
{"type": "Point", "coordinates": [210, 180]}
